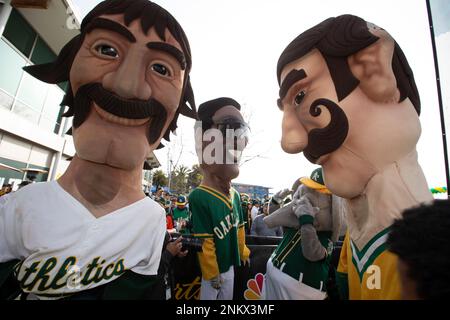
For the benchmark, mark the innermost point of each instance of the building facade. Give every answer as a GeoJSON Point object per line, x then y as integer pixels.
{"type": "Point", "coordinates": [254, 191]}
{"type": "Point", "coordinates": [32, 129]}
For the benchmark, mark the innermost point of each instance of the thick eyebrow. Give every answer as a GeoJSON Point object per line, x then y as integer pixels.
{"type": "Point", "coordinates": [288, 82]}
{"type": "Point", "coordinates": [167, 48]}
{"type": "Point", "coordinates": [100, 23]}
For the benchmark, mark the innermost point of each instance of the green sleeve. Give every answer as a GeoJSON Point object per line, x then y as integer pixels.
{"type": "Point", "coordinates": [9, 286]}
{"type": "Point", "coordinates": [342, 284]}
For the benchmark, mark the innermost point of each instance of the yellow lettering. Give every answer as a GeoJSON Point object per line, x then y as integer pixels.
{"type": "Point", "coordinates": [374, 280]}
{"type": "Point", "coordinates": [188, 291]}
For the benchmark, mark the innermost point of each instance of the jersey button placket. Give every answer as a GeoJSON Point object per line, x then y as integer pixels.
{"type": "Point", "coordinates": [93, 228]}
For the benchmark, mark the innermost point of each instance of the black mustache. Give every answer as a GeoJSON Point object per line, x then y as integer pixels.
{"type": "Point", "coordinates": [330, 138]}
{"type": "Point", "coordinates": [124, 108]}
{"type": "Point", "coordinates": [120, 107]}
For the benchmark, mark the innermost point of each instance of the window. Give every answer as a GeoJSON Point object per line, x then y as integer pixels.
{"type": "Point", "coordinates": [20, 33]}
{"type": "Point", "coordinates": [11, 68]}
{"type": "Point", "coordinates": [42, 53]}
{"type": "Point", "coordinates": [33, 92]}
{"type": "Point", "coordinates": [32, 98]}
{"type": "Point", "coordinates": [52, 112]}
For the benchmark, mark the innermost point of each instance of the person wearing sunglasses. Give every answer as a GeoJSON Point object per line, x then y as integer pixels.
{"type": "Point", "coordinates": [217, 217]}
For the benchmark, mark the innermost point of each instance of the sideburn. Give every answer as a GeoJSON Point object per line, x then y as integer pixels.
{"type": "Point", "coordinates": [328, 139]}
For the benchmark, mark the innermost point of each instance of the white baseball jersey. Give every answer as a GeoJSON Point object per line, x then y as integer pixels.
{"type": "Point", "coordinates": [254, 213]}
{"type": "Point", "coordinates": [64, 249]}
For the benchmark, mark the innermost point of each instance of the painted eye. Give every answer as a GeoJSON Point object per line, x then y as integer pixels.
{"type": "Point", "coordinates": [299, 97]}
{"type": "Point", "coordinates": [106, 50]}
{"type": "Point", "coordinates": [161, 69]}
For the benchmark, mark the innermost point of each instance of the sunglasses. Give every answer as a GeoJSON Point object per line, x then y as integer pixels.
{"type": "Point", "coordinates": [229, 124]}
{"type": "Point", "coordinates": [235, 132]}
{"type": "Point", "coordinates": [239, 129]}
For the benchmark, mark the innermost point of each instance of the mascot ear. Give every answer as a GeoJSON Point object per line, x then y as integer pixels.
{"type": "Point", "coordinates": [189, 96]}
{"type": "Point", "coordinates": [59, 70]}
{"type": "Point", "coordinates": [372, 66]}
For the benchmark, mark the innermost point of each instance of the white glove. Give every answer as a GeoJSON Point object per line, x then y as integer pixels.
{"type": "Point", "coordinates": [303, 206]}
{"type": "Point", "coordinates": [280, 195]}
{"type": "Point", "coordinates": [216, 282]}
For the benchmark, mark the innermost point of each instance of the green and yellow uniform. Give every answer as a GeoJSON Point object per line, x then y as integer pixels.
{"type": "Point", "coordinates": [218, 219]}
{"type": "Point", "coordinates": [370, 273]}
{"type": "Point", "coordinates": [288, 257]}
{"type": "Point", "coordinates": [181, 213]}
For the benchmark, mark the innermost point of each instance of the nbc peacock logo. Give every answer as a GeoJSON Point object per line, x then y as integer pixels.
{"type": "Point", "coordinates": [254, 287]}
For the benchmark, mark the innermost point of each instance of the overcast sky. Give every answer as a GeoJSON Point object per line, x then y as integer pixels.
{"type": "Point", "coordinates": [235, 47]}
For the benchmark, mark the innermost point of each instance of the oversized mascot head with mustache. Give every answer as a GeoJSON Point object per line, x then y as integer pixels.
{"type": "Point", "coordinates": [128, 73]}
{"type": "Point", "coordinates": [349, 101]}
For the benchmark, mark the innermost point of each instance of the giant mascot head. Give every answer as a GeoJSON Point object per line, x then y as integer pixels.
{"type": "Point", "coordinates": [128, 73]}
{"type": "Point", "coordinates": [221, 135]}
{"type": "Point", "coordinates": [349, 101]}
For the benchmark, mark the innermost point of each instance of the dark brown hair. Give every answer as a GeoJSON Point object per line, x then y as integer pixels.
{"type": "Point", "coordinates": [336, 39]}
{"type": "Point", "coordinates": [150, 15]}
{"type": "Point", "coordinates": [421, 240]}
{"type": "Point", "coordinates": [208, 108]}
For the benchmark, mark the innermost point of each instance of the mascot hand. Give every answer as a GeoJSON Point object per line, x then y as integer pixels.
{"type": "Point", "coordinates": [280, 195]}
{"type": "Point", "coordinates": [216, 282]}
{"type": "Point", "coordinates": [303, 206]}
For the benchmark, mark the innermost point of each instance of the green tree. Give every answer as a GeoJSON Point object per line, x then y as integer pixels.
{"type": "Point", "coordinates": [178, 182]}
{"type": "Point", "coordinates": [159, 179]}
{"type": "Point", "coordinates": [194, 177]}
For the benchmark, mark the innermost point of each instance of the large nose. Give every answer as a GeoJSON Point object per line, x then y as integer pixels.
{"type": "Point", "coordinates": [129, 79]}
{"type": "Point", "coordinates": [294, 136]}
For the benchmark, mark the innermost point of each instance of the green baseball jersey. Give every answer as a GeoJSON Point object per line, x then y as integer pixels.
{"type": "Point", "coordinates": [217, 219]}
{"type": "Point", "coordinates": [181, 213]}
{"type": "Point", "coordinates": [288, 257]}
{"type": "Point", "coordinates": [245, 215]}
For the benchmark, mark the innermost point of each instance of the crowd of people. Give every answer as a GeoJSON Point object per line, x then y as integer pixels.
{"type": "Point", "coordinates": [254, 210]}
{"type": "Point", "coordinates": [176, 209]}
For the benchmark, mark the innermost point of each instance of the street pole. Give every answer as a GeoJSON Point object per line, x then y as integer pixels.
{"type": "Point", "coordinates": [441, 107]}
{"type": "Point", "coordinates": [170, 177]}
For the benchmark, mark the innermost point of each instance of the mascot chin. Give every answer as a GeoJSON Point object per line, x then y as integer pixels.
{"type": "Point", "coordinates": [299, 267]}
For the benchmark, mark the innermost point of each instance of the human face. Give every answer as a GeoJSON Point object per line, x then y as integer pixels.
{"type": "Point", "coordinates": [134, 68]}
{"type": "Point", "coordinates": [228, 168]}
{"type": "Point", "coordinates": [377, 134]}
